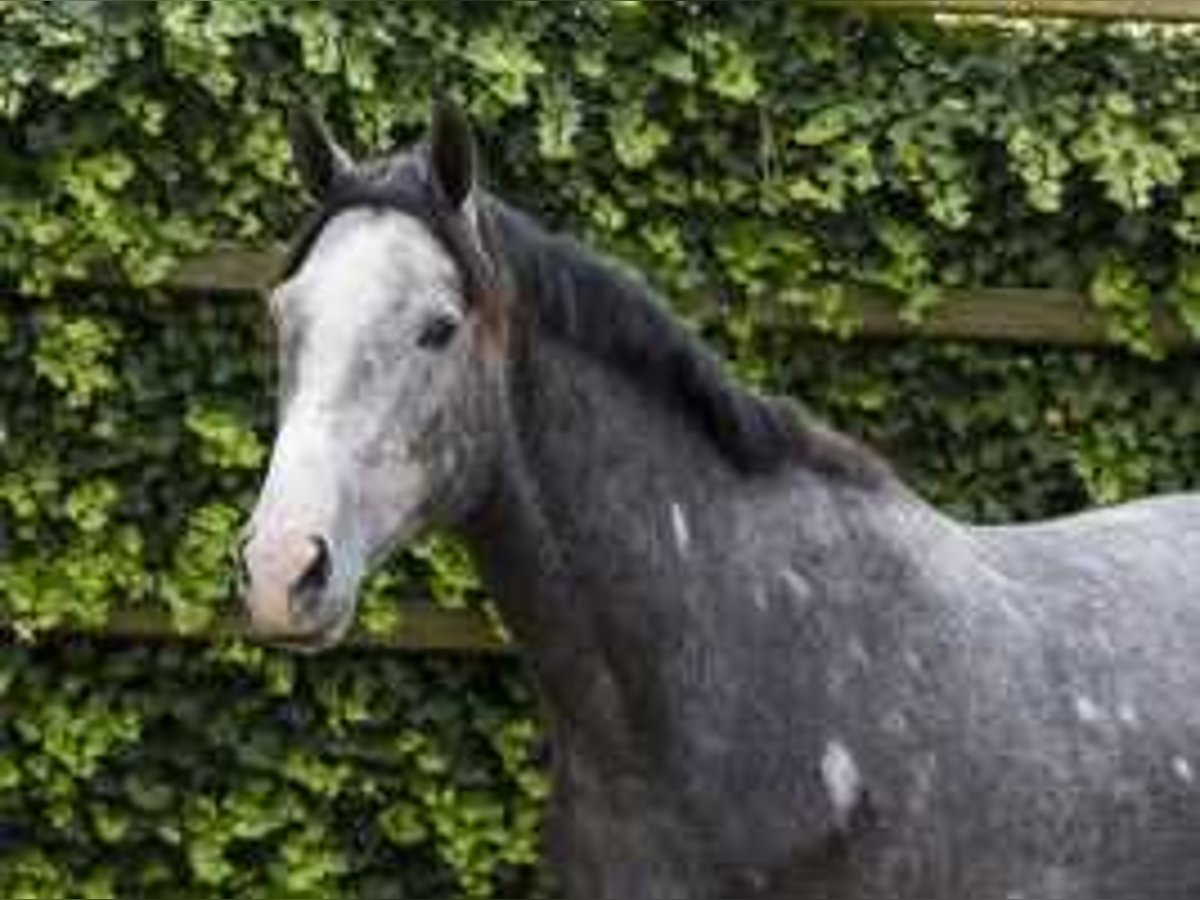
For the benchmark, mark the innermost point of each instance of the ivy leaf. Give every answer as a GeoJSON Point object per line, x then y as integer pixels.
{"type": "Point", "coordinates": [637, 141]}
{"type": "Point", "coordinates": [506, 62]}
{"type": "Point", "coordinates": [559, 119]}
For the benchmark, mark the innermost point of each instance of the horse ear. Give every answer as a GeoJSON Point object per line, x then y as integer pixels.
{"type": "Point", "coordinates": [318, 158]}
{"type": "Point", "coordinates": [451, 153]}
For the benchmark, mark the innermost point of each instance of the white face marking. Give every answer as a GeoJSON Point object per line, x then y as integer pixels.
{"type": "Point", "coordinates": [843, 782]}
{"type": "Point", "coordinates": [358, 388]}
{"type": "Point", "coordinates": [679, 523]}
{"type": "Point", "coordinates": [364, 264]}
{"type": "Point", "coordinates": [1183, 770]}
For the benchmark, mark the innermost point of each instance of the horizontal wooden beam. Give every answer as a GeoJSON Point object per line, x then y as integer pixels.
{"type": "Point", "coordinates": [987, 314]}
{"type": "Point", "coordinates": [229, 270]}
{"type": "Point", "coordinates": [422, 627]}
{"type": "Point", "coordinates": [1112, 10]}
{"type": "Point", "coordinates": [1014, 315]}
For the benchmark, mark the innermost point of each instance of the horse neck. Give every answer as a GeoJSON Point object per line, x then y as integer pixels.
{"type": "Point", "coordinates": [611, 508]}
{"type": "Point", "coordinates": [586, 462]}
{"type": "Point", "coordinates": [618, 531]}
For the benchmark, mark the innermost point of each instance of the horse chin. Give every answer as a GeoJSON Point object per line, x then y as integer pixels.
{"type": "Point", "coordinates": [325, 637]}
{"type": "Point", "coordinates": [339, 619]}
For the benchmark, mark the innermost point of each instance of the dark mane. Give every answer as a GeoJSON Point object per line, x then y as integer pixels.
{"type": "Point", "coordinates": [616, 318]}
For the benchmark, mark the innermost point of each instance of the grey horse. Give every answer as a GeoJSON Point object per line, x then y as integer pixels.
{"type": "Point", "coordinates": [766, 667]}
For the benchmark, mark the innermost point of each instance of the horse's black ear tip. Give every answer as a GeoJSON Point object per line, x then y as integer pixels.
{"type": "Point", "coordinates": [317, 157]}
{"type": "Point", "coordinates": [448, 118]}
{"type": "Point", "coordinates": [452, 147]}
{"type": "Point", "coordinates": [299, 114]}
{"type": "Point", "coordinates": [304, 126]}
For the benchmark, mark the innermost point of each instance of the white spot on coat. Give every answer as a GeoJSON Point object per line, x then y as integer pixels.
{"type": "Point", "coordinates": [914, 661]}
{"type": "Point", "coordinates": [858, 653]}
{"type": "Point", "coordinates": [683, 537]}
{"type": "Point", "coordinates": [1183, 770]}
{"type": "Point", "coordinates": [1128, 715]}
{"type": "Point", "coordinates": [843, 782]}
{"type": "Point", "coordinates": [797, 584]}
{"type": "Point", "coordinates": [1088, 711]}
{"type": "Point", "coordinates": [760, 598]}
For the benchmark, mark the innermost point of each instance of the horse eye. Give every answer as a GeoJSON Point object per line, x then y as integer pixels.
{"type": "Point", "coordinates": [438, 332]}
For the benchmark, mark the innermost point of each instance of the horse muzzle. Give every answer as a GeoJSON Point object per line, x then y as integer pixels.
{"type": "Point", "coordinates": [286, 589]}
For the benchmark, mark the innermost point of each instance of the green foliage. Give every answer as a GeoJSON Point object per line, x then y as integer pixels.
{"type": "Point", "coordinates": [226, 442]}
{"type": "Point", "coordinates": [200, 577]}
{"type": "Point", "coordinates": [1119, 290]}
{"type": "Point", "coordinates": [159, 772]}
{"type": "Point", "coordinates": [751, 159]}
{"type": "Point", "coordinates": [71, 355]}
{"type": "Point", "coordinates": [447, 570]}
{"type": "Point", "coordinates": [1127, 157]}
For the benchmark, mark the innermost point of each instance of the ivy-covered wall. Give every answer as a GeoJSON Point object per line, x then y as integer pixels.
{"type": "Point", "coordinates": [748, 157]}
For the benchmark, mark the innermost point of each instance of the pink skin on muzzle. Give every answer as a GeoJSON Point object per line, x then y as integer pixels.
{"type": "Point", "coordinates": [286, 574]}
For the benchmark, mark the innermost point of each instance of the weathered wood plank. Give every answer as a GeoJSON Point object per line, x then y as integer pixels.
{"type": "Point", "coordinates": [1125, 10]}
{"type": "Point", "coordinates": [1014, 315]}
{"type": "Point", "coordinates": [229, 270]}
{"type": "Point", "coordinates": [422, 627]}
{"type": "Point", "coordinates": [987, 314]}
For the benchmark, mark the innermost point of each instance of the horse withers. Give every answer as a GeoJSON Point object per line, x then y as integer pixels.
{"type": "Point", "coordinates": [767, 668]}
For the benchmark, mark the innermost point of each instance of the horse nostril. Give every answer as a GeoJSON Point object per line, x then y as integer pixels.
{"type": "Point", "coordinates": [307, 589]}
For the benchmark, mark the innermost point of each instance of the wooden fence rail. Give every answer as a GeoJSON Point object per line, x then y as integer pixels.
{"type": "Point", "coordinates": [1015, 315]}
{"type": "Point", "coordinates": [423, 627]}
{"type": "Point", "coordinates": [1113, 10]}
